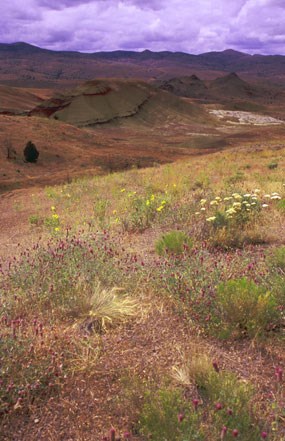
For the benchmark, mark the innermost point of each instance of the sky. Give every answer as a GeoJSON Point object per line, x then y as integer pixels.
{"type": "Point", "coordinates": [192, 26]}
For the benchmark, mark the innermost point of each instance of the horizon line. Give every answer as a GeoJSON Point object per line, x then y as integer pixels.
{"type": "Point", "coordinates": [141, 51]}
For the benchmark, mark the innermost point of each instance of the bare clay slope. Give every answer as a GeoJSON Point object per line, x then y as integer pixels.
{"type": "Point", "coordinates": [109, 101]}
{"type": "Point", "coordinates": [16, 100]}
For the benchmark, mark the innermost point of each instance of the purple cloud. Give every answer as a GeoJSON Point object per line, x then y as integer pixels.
{"type": "Point", "coordinates": [178, 25]}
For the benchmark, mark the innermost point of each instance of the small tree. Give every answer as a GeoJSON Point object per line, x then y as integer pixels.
{"type": "Point", "coordinates": [10, 151]}
{"type": "Point", "coordinates": [30, 152]}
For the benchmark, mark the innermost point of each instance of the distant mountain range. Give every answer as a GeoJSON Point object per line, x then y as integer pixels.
{"type": "Point", "coordinates": [22, 64]}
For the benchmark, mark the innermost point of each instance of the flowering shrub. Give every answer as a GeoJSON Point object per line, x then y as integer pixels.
{"type": "Point", "coordinates": [221, 396]}
{"type": "Point", "coordinates": [227, 216]}
{"type": "Point", "coordinates": [33, 361]}
{"type": "Point", "coordinates": [53, 221]}
{"type": "Point", "coordinates": [143, 210]}
{"type": "Point", "coordinates": [166, 416]}
{"type": "Point", "coordinates": [219, 404]}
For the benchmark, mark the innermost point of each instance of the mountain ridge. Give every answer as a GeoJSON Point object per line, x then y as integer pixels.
{"type": "Point", "coordinates": [29, 65]}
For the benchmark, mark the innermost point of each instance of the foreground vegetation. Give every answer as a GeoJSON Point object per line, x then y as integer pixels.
{"type": "Point", "coordinates": [202, 240]}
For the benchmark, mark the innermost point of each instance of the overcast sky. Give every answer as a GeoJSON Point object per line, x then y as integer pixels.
{"type": "Point", "coordinates": [193, 26]}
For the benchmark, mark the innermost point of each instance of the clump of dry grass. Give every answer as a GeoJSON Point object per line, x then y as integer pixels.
{"type": "Point", "coordinates": [108, 307]}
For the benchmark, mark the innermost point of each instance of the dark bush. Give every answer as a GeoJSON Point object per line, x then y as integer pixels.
{"type": "Point", "coordinates": [30, 152]}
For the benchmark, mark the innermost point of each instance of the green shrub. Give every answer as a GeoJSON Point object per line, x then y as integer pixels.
{"type": "Point", "coordinates": [173, 242]}
{"type": "Point", "coordinates": [225, 399]}
{"type": "Point", "coordinates": [160, 421]}
{"type": "Point", "coordinates": [34, 219]}
{"type": "Point", "coordinates": [281, 205]}
{"type": "Point", "coordinates": [245, 308]}
{"type": "Point", "coordinates": [272, 165]}
{"type": "Point", "coordinates": [276, 260]}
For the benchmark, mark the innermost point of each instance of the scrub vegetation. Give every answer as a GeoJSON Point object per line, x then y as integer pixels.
{"type": "Point", "coordinates": [149, 304]}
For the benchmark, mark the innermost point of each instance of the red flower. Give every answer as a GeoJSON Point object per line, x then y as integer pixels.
{"type": "Point", "coordinates": [195, 403]}
{"type": "Point", "coordinates": [180, 417]}
{"type": "Point", "coordinates": [216, 367]}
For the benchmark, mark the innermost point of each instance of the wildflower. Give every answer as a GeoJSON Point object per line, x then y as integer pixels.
{"type": "Point", "coordinates": [214, 202]}
{"type": "Point", "coordinates": [52, 208]}
{"type": "Point", "coordinates": [218, 406]}
{"type": "Point", "coordinates": [56, 229]}
{"type": "Point", "coordinates": [147, 202]}
{"type": "Point", "coordinates": [237, 205]}
{"type": "Point", "coordinates": [267, 196]}
{"type": "Point", "coordinates": [228, 198]}
{"type": "Point", "coordinates": [218, 198]}
{"type": "Point", "coordinates": [229, 412]}
{"type": "Point", "coordinates": [211, 219]}
{"type": "Point", "coordinates": [263, 435]}
{"type": "Point", "coordinates": [275, 197]}
{"type": "Point", "coordinates": [180, 417]}
{"type": "Point", "coordinates": [160, 208]}
{"type": "Point", "coordinates": [253, 204]}
{"type": "Point", "coordinates": [230, 211]}
{"type": "Point", "coordinates": [203, 209]}
{"type": "Point", "coordinates": [223, 432]}
{"type": "Point", "coordinates": [195, 403]}
{"type": "Point", "coordinates": [247, 195]}
{"type": "Point", "coordinates": [55, 216]}
{"type": "Point", "coordinates": [235, 433]}
{"type": "Point", "coordinates": [123, 190]}
{"type": "Point", "coordinates": [112, 434]}
{"type": "Point", "coordinates": [152, 197]}
{"type": "Point", "coordinates": [197, 213]}
{"type": "Point", "coordinates": [127, 435]}
{"type": "Point", "coordinates": [163, 202]}
{"type": "Point", "coordinates": [264, 205]}
{"type": "Point", "coordinates": [257, 190]}
{"type": "Point", "coordinates": [279, 374]}
{"type": "Point", "coordinates": [236, 196]}
{"type": "Point", "coordinates": [216, 366]}
{"type": "Point", "coordinates": [203, 201]}
{"type": "Point", "coordinates": [114, 211]}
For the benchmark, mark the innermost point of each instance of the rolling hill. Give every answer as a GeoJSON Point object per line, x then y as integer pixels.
{"type": "Point", "coordinates": [108, 101]}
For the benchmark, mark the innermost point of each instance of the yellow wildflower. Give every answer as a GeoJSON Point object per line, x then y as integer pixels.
{"type": "Point", "coordinates": [211, 219]}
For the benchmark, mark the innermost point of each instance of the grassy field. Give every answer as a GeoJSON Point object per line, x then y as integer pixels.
{"type": "Point", "coordinates": [148, 304]}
